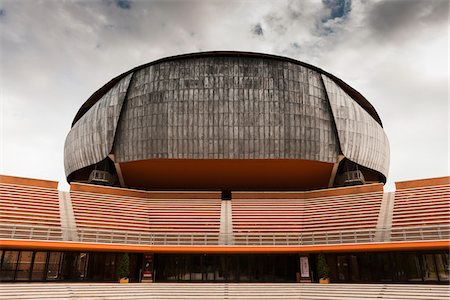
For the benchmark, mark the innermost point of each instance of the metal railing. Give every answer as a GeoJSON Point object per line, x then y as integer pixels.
{"type": "Point", "coordinates": [92, 235]}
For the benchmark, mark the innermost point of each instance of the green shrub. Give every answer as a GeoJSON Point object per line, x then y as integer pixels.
{"type": "Point", "coordinates": [322, 267]}
{"type": "Point", "coordinates": [123, 269]}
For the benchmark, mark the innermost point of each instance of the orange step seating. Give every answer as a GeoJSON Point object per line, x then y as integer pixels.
{"type": "Point", "coordinates": [167, 217]}
{"type": "Point", "coordinates": [305, 216]}
{"type": "Point", "coordinates": [424, 206]}
{"type": "Point", "coordinates": [26, 204]}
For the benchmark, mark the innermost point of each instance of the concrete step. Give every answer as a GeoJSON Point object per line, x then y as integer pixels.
{"type": "Point", "coordinates": [80, 291]}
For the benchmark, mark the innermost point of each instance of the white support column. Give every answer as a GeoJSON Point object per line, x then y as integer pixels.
{"type": "Point", "coordinates": [68, 224]}
{"type": "Point", "coordinates": [226, 223]}
{"type": "Point", "coordinates": [384, 222]}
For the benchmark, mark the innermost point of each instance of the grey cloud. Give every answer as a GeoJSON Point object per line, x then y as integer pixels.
{"type": "Point", "coordinates": [276, 23]}
{"type": "Point", "coordinates": [404, 19]}
{"type": "Point", "coordinates": [257, 30]}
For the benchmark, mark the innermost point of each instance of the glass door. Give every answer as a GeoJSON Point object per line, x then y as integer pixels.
{"type": "Point", "coordinates": [343, 268]}
{"type": "Point", "coordinates": [39, 262]}
{"type": "Point", "coordinates": [23, 270]}
{"type": "Point", "coordinates": [54, 265]}
{"type": "Point", "coordinates": [429, 268]}
{"type": "Point", "coordinates": [442, 265]}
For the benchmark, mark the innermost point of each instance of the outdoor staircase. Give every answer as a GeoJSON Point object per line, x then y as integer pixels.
{"type": "Point", "coordinates": [222, 291]}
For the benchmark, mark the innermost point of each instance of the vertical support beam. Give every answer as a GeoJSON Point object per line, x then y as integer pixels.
{"type": "Point", "coordinates": [68, 224]}
{"type": "Point", "coordinates": [226, 223]}
{"type": "Point", "coordinates": [384, 223]}
{"type": "Point", "coordinates": [334, 171]}
{"type": "Point", "coordinates": [118, 170]}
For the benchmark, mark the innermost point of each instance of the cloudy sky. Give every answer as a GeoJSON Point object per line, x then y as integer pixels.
{"type": "Point", "coordinates": [55, 54]}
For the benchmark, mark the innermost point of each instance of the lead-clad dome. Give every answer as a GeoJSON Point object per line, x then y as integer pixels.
{"type": "Point", "coordinates": [227, 120]}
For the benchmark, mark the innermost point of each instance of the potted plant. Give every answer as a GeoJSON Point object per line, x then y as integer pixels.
{"type": "Point", "coordinates": [123, 269]}
{"type": "Point", "coordinates": [323, 270]}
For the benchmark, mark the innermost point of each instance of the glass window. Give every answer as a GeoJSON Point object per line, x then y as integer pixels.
{"type": "Point", "coordinates": [74, 263]}
{"type": "Point", "coordinates": [234, 267]}
{"type": "Point", "coordinates": [209, 264]}
{"type": "Point", "coordinates": [383, 266]}
{"type": "Point", "coordinates": [365, 266]}
{"type": "Point", "coordinates": [9, 264]}
{"type": "Point", "coordinates": [412, 267]}
{"type": "Point", "coordinates": [222, 268]}
{"type": "Point", "coordinates": [82, 263]}
{"type": "Point", "coordinates": [354, 268]}
{"type": "Point", "coordinates": [243, 274]}
{"type": "Point", "coordinates": [429, 268]}
{"type": "Point", "coordinates": [183, 267]}
{"type": "Point", "coordinates": [38, 272]}
{"type": "Point", "coordinates": [442, 266]}
{"type": "Point", "coordinates": [342, 266]}
{"type": "Point", "coordinates": [54, 260]}
{"type": "Point", "coordinates": [195, 266]}
{"type": "Point", "coordinates": [109, 265]}
{"type": "Point", "coordinates": [24, 265]}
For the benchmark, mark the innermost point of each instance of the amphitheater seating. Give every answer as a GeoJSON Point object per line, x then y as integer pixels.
{"type": "Point", "coordinates": [350, 212]}
{"type": "Point", "coordinates": [166, 214]}
{"type": "Point", "coordinates": [307, 219]}
{"type": "Point", "coordinates": [25, 205]}
{"type": "Point", "coordinates": [29, 205]}
{"type": "Point", "coordinates": [425, 207]}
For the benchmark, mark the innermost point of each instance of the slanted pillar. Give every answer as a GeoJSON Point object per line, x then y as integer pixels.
{"type": "Point", "coordinates": [384, 223]}
{"type": "Point", "coordinates": [334, 171]}
{"type": "Point", "coordinates": [118, 170]}
{"type": "Point", "coordinates": [68, 224]}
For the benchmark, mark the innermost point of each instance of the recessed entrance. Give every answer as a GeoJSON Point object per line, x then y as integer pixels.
{"type": "Point", "coordinates": [226, 268]}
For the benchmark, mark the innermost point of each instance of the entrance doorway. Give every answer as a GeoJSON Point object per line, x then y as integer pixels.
{"type": "Point", "coordinates": [226, 268]}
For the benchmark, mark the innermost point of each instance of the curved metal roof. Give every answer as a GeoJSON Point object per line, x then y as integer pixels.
{"type": "Point", "coordinates": [360, 99]}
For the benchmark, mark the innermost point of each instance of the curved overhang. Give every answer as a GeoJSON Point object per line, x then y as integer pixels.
{"type": "Point", "coordinates": [360, 99]}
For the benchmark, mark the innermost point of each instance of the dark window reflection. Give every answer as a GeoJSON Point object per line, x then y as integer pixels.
{"type": "Point", "coordinates": [39, 262]}
{"type": "Point", "coordinates": [442, 265]}
{"type": "Point", "coordinates": [53, 267]}
{"type": "Point", "coordinates": [412, 267]}
{"type": "Point", "coordinates": [9, 263]}
{"type": "Point", "coordinates": [426, 266]}
{"type": "Point", "coordinates": [24, 265]}
{"type": "Point", "coordinates": [228, 268]}
{"type": "Point", "coordinates": [429, 268]}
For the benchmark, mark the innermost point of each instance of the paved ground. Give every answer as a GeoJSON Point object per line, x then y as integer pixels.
{"type": "Point", "coordinates": [221, 291]}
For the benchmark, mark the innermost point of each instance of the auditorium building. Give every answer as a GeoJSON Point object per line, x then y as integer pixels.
{"type": "Point", "coordinates": [226, 167]}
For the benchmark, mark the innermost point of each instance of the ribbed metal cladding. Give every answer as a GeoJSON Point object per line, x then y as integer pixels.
{"type": "Point", "coordinates": [230, 108]}
{"type": "Point", "coordinates": [227, 106]}
{"type": "Point", "coordinates": [361, 138]}
{"type": "Point", "coordinates": [91, 139]}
